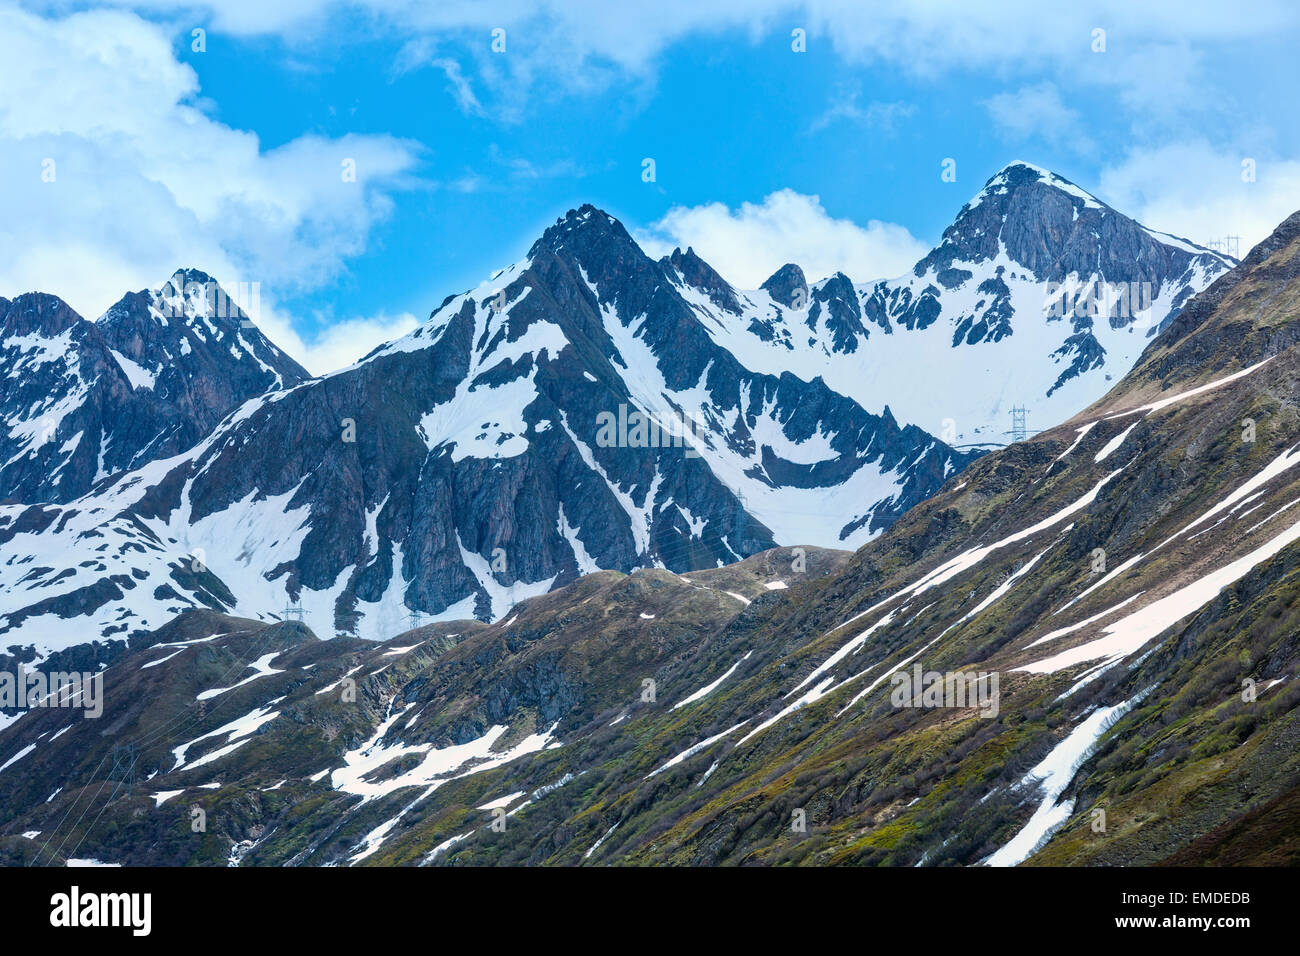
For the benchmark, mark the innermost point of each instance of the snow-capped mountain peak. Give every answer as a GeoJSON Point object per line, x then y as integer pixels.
{"type": "Point", "coordinates": [82, 400]}
{"type": "Point", "coordinates": [1038, 295]}
{"type": "Point", "coordinates": [586, 408]}
{"type": "Point", "coordinates": [571, 413]}
{"type": "Point", "coordinates": [787, 286]}
{"type": "Point", "coordinates": [1055, 229]}
{"type": "Point", "coordinates": [191, 320]}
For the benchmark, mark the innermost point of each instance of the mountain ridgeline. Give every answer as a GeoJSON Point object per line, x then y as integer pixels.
{"type": "Point", "coordinates": [464, 468]}
{"type": "Point", "coordinates": [1118, 596]}
{"type": "Point", "coordinates": [1038, 295]}
{"type": "Point", "coordinates": [155, 374]}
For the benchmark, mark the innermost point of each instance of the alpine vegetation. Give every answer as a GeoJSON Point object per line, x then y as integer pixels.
{"type": "Point", "coordinates": [594, 435]}
{"type": "Point", "coordinates": [957, 689]}
{"type": "Point", "coordinates": [21, 689]}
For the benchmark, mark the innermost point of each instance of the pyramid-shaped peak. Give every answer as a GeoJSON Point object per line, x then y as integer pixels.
{"type": "Point", "coordinates": [788, 286]}
{"type": "Point", "coordinates": [1019, 174]}
{"type": "Point", "coordinates": [1045, 223]}
{"type": "Point", "coordinates": [188, 276]}
{"type": "Point", "coordinates": [790, 272]}
{"type": "Point", "coordinates": [189, 310]}
{"type": "Point", "coordinates": [583, 225]}
{"type": "Point", "coordinates": [192, 293]}
{"type": "Point", "coordinates": [36, 312]}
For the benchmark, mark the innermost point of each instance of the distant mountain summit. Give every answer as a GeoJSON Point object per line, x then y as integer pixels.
{"type": "Point", "coordinates": [588, 408]}
{"type": "Point", "coordinates": [572, 413]}
{"type": "Point", "coordinates": [190, 335]}
{"type": "Point", "coordinates": [84, 400]}
{"type": "Point", "coordinates": [1038, 294]}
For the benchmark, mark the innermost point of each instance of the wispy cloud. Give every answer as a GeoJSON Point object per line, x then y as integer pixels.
{"type": "Point", "coordinates": [576, 42]}
{"type": "Point", "coordinates": [517, 167]}
{"type": "Point", "coordinates": [1039, 112]}
{"type": "Point", "coordinates": [459, 86]}
{"type": "Point", "coordinates": [845, 107]}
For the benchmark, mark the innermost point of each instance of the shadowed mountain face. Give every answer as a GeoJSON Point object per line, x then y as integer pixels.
{"type": "Point", "coordinates": [587, 408]}
{"type": "Point", "coordinates": [83, 400]}
{"type": "Point", "coordinates": [195, 347]}
{"type": "Point", "coordinates": [570, 414]}
{"type": "Point", "coordinates": [1038, 295]}
{"type": "Point", "coordinates": [1117, 598]}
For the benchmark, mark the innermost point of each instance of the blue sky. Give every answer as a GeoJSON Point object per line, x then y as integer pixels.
{"type": "Point", "coordinates": [228, 159]}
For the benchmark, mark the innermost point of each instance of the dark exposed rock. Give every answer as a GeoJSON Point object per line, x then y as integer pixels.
{"type": "Point", "coordinates": [463, 468]}
{"type": "Point", "coordinates": [788, 286]}
{"type": "Point", "coordinates": [87, 399]}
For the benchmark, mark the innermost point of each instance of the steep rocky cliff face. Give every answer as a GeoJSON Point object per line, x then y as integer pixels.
{"type": "Point", "coordinates": [84, 400]}
{"type": "Point", "coordinates": [1038, 295]}
{"type": "Point", "coordinates": [570, 414]}
{"type": "Point", "coordinates": [1117, 594]}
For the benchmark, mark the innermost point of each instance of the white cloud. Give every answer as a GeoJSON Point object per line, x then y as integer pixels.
{"type": "Point", "coordinates": [459, 86]}
{"type": "Point", "coordinates": [748, 244]}
{"type": "Point", "coordinates": [1196, 191]}
{"type": "Point", "coordinates": [1168, 63]}
{"type": "Point", "coordinates": [908, 31]}
{"type": "Point", "coordinates": [922, 36]}
{"type": "Point", "coordinates": [883, 116]}
{"type": "Point", "coordinates": [339, 343]}
{"type": "Point", "coordinates": [1038, 111]}
{"type": "Point", "coordinates": [145, 182]}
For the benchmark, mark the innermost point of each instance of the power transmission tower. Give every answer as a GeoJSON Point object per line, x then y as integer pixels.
{"type": "Point", "coordinates": [294, 611]}
{"type": "Point", "coordinates": [1019, 428]}
{"type": "Point", "coordinates": [742, 508]}
{"type": "Point", "coordinates": [1228, 245]}
{"type": "Point", "coordinates": [123, 764]}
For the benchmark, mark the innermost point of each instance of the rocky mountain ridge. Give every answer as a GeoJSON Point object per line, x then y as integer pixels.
{"type": "Point", "coordinates": [1038, 295]}
{"type": "Point", "coordinates": [568, 415]}
{"type": "Point", "coordinates": [1118, 594]}
{"type": "Point", "coordinates": [83, 400]}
